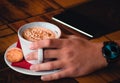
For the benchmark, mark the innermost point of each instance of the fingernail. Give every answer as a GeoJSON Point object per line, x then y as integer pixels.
{"type": "Point", "coordinates": [32, 68]}
{"type": "Point", "coordinates": [42, 78]}
{"type": "Point", "coordinates": [27, 58]}
{"type": "Point", "coordinates": [31, 46]}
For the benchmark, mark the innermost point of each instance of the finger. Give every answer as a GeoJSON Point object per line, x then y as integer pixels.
{"type": "Point", "coordinates": [47, 66]}
{"type": "Point", "coordinates": [57, 75]}
{"type": "Point", "coordinates": [51, 43]}
{"type": "Point", "coordinates": [32, 56]}
{"type": "Point", "coordinates": [72, 36]}
{"type": "Point", "coordinates": [51, 53]}
{"type": "Point", "coordinates": [65, 36]}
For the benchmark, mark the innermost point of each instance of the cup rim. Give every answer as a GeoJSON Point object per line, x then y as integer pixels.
{"type": "Point", "coordinates": [19, 34]}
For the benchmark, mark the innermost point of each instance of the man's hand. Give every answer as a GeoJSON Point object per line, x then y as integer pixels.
{"type": "Point", "coordinates": [75, 56]}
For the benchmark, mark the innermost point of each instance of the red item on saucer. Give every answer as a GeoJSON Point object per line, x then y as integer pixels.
{"type": "Point", "coordinates": [23, 63]}
{"type": "Point", "coordinates": [18, 44]}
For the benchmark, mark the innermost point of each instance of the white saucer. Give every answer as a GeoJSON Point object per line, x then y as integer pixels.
{"type": "Point", "coordinates": [26, 71]}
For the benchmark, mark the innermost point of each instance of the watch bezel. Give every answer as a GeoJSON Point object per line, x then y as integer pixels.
{"type": "Point", "coordinates": [111, 51]}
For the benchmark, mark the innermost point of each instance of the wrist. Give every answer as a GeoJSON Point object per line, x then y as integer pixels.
{"type": "Point", "coordinates": [98, 52]}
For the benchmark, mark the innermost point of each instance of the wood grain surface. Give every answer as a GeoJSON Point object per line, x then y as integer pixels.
{"type": "Point", "coordinates": [15, 13]}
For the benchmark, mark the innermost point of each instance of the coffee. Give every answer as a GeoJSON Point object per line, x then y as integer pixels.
{"type": "Point", "coordinates": [37, 33]}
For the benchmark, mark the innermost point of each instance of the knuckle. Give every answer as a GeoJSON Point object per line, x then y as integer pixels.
{"type": "Point", "coordinates": [71, 71]}
{"type": "Point", "coordinates": [48, 42]}
{"type": "Point", "coordinates": [34, 55]}
{"type": "Point", "coordinates": [53, 77]}
{"type": "Point", "coordinates": [36, 68]}
{"type": "Point", "coordinates": [36, 44]}
{"type": "Point", "coordinates": [69, 52]}
{"type": "Point", "coordinates": [51, 66]}
{"type": "Point", "coordinates": [57, 76]}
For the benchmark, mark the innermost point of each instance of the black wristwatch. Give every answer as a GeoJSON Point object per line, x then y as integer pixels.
{"type": "Point", "coordinates": [111, 51]}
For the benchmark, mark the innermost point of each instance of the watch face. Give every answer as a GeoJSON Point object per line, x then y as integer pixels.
{"type": "Point", "coordinates": [111, 51]}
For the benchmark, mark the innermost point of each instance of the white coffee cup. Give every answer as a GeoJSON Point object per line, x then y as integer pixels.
{"type": "Point", "coordinates": [25, 44]}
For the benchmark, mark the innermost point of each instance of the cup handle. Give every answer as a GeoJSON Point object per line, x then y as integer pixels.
{"type": "Point", "coordinates": [40, 55]}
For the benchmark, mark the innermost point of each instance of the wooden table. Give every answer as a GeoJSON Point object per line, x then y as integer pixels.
{"type": "Point", "coordinates": [14, 13]}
